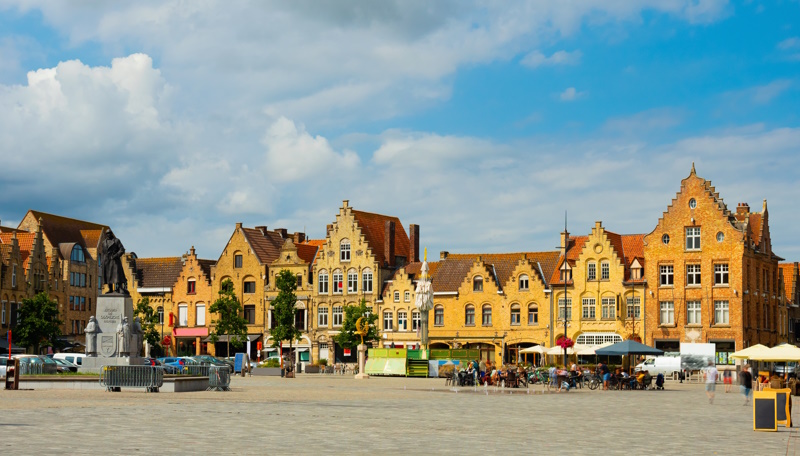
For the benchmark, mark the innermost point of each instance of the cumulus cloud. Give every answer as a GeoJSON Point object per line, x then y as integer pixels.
{"type": "Point", "coordinates": [570, 94]}
{"type": "Point", "coordinates": [536, 59]}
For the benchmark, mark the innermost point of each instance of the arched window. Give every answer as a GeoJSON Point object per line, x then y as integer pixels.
{"type": "Point", "coordinates": [344, 250]}
{"type": "Point", "coordinates": [533, 314]}
{"type": "Point", "coordinates": [477, 283]}
{"type": "Point", "coordinates": [438, 316]}
{"type": "Point", "coordinates": [77, 254]}
{"type": "Point", "coordinates": [523, 282]}
{"type": "Point", "coordinates": [337, 281]}
{"type": "Point", "coordinates": [366, 276]}
{"type": "Point", "coordinates": [486, 315]}
{"type": "Point", "coordinates": [469, 315]}
{"type": "Point", "coordinates": [323, 282]}
{"type": "Point", "coordinates": [352, 281]}
{"type": "Point", "coordinates": [322, 316]}
{"type": "Point", "coordinates": [591, 271]}
{"type": "Point", "coordinates": [200, 314]}
{"type": "Point", "coordinates": [515, 314]}
{"type": "Point", "coordinates": [402, 320]}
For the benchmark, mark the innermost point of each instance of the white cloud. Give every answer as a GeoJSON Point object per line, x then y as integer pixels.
{"type": "Point", "coordinates": [645, 122]}
{"type": "Point", "coordinates": [766, 93]}
{"type": "Point", "coordinates": [536, 59]}
{"type": "Point", "coordinates": [791, 48]}
{"type": "Point", "coordinates": [570, 94]}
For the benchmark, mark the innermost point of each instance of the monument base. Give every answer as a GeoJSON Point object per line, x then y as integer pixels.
{"type": "Point", "coordinates": [95, 364]}
{"type": "Point", "coordinates": [362, 376]}
{"type": "Point", "coordinates": [362, 359]}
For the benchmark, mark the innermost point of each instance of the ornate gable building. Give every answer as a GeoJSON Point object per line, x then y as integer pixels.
{"type": "Point", "coordinates": [712, 275]}
{"type": "Point", "coordinates": [361, 251]}
{"type": "Point", "coordinates": [192, 296]}
{"type": "Point", "coordinates": [399, 318]}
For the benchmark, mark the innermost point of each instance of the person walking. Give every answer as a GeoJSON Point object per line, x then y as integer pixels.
{"type": "Point", "coordinates": [746, 383]}
{"type": "Point", "coordinates": [711, 381]}
{"type": "Point", "coordinates": [727, 380]}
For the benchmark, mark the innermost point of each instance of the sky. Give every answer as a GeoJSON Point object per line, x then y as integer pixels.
{"type": "Point", "coordinates": [483, 122]}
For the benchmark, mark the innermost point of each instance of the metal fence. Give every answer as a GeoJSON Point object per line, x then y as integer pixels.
{"type": "Point", "coordinates": [31, 368]}
{"type": "Point", "coordinates": [115, 377]}
{"type": "Point", "coordinates": [219, 378]}
{"type": "Point", "coordinates": [195, 370]}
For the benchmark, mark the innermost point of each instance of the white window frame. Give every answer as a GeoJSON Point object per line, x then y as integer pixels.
{"type": "Point", "coordinates": [352, 281]}
{"type": "Point", "coordinates": [344, 250]}
{"type": "Point", "coordinates": [337, 316]}
{"type": "Point", "coordinates": [367, 279]}
{"type": "Point", "coordinates": [516, 311]}
{"type": "Point", "coordinates": [524, 282]}
{"type": "Point", "coordinates": [200, 315]}
{"type": "Point", "coordinates": [591, 271]}
{"type": "Point", "coordinates": [438, 316]}
{"type": "Point", "coordinates": [477, 284]}
{"type": "Point", "coordinates": [416, 320]}
{"type": "Point", "coordinates": [533, 315]}
{"type": "Point", "coordinates": [721, 312]}
{"type": "Point", "coordinates": [589, 309]}
{"type": "Point", "coordinates": [322, 316]}
{"type": "Point", "coordinates": [605, 270]}
{"type": "Point", "coordinates": [694, 275]}
{"type": "Point", "coordinates": [694, 313]}
{"type": "Point", "coordinates": [608, 308]}
{"type": "Point", "coordinates": [183, 315]}
{"type": "Point", "coordinates": [402, 320]}
{"type": "Point", "coordinates": [323, 282]}
{"type": "Point", "coordinates": [561, 309]}
{"type": "Point", "coordinates": [388, 320]}
{"type": "Point", "coordinates": [469, 318]}
{"type": "Point", "coordinates": [667, 312]}
{"type": "Point", "coordinates": [634, 307]}
{"type": "Point", "coordinates": [396, 296]}
{"type": "Point", "coordinates": [721, 274]}
{"type": "Point", "coordinates": [486, 321]}
{"type": "Point", "coordinates": [160, 313]}
{"type": "Point", "coordinates": [693, 238]}
{"type": "Point", "coordinates": [3, 319]}
{"type": "Point", "coordinates": [338, 282]}
{"type": "Point", "coordinates": [666, 275]}
{"type": "Point", "coordinates": [407, 296]}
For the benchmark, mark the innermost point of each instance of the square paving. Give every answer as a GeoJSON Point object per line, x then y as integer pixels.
{"type": "Point", "coordinates": [337, 414]}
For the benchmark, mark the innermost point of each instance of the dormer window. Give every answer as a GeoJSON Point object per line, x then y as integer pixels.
{"type": "Point", "coordinates": [566, 273]}
{"type": "Point", "coordinates": [77, 255]}
{"type": "Point", "coordinates": [344, 250]}
{"type": "Point", "coordinates": [523, 282]}
{"type": "Point", "coordinates": [477, 283]}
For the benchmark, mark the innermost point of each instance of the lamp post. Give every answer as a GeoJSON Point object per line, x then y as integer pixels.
{"type": "Point", "coordinates": [566, 266]}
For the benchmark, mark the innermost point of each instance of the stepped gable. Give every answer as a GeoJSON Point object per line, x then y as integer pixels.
{"type": "Point", "coordinates": [25, 241]}
{"type": "Point", "coordinates": [265, 244]}
{"type": "Point", "coordinates": [157, 272]}
{"type": "Point", "coordinates": [574, 248]}
{"type": "Point", "coordinates": [205, 266]}
{"type": "Point", "coordinates": [59, 229]}
{"type": "Point", "coordinates": [450, 272]}
{"type": "Point", "coordinates": [629, 247]}
{"type": "Point", "coordinates": [413, 270]}
{"type": "Point", "coordinates": [373, 228]}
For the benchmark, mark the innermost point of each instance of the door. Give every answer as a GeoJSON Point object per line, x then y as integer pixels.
{"type": "Point", "coordinates": [323, 353]}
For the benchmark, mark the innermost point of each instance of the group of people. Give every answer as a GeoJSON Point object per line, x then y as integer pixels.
{"type": "Point", "coordinates": [488, 373]}
{"type": "Point", "coordinates": [622, 380]}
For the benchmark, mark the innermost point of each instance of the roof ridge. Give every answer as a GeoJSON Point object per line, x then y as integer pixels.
{"type": "Point", "coordinates": [38, 215]}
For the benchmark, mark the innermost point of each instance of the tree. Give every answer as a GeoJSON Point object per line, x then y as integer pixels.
{"type": "Point", "coordinates": [38, 323]}
{"type": "Point", "coordinates": [149, 319]}
{"type": "Point", "coordinates": [348, 337]}
{"type": "Point", "coordinates": [230, 321]}
{"type": "Point", "coordinates": [283, 311]}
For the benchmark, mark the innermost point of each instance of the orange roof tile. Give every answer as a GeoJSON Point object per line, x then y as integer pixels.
{"type": "Point", "coordinates": [25, 241]}
{"type": "Point", "coordinates": [307, 252]}
{"type": "Point", "coordinates": [157, 272]}
{"type": "Point", "coordinates": [59, 229]}
{"type": "Point", "coordinates": [373, 226]}
{"type": "Point", "coordinates": [790, 280]}
{"type": "Point", "coordinates": [314, 242]}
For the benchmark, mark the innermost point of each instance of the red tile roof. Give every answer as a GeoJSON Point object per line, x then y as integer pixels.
{"type": "Point", "coordinates": [307, 252]}
{"type": "Point", "coordinates": [59, 229]}
{"type": "Point", "coordinates": [373, 226]}
{"type": "Point", "coordinates": [790, 278]}
{"type": "Point", "coordinates": [628, 247]}
{"type": "Point", "coordinates": [266, 244]}
{"type": "Point", "coordinates": [314, 242]}
{"type": "Point", "coordinates": [25, 241]}
{"type": "Point", "coordinates": [450, 273]}
{"type": "Point", "coordinates": [157, 272]}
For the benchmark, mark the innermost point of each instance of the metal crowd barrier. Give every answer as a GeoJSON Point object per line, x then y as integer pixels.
{"type": "Point", "coordinates": [115, 377]}
{"type": "Point", "coordinates": [196, 370]}
{"type": "Point", "coordinates": [219, 378]}
{"type": "Point", "coordinates": [31, 368]}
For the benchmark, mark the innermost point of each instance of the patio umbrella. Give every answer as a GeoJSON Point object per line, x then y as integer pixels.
{"type": "Point", "coordinates": [589, 350]}
{"type": "Point", "coordinates": [628, 347]}
{"type": "Point", "coordinates": [784, 352]}
{"type": "Point", "coordinates": [755, 352]}
{"type": "Point", "coordinates": [540, 349]}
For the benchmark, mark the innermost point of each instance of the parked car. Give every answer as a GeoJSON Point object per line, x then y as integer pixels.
{"type": "Point", "coordinates": [208, 359]}
{"type": "Point", "coordinates": [789, 367]}
{"type": "Point", "coordinates": [74, 358]}
{"type": "Point", "coordinates": [177, 362]}
{"type": "Point", "coordinates": [48, 365]}
{"type": "Point", "coordinates": [63, 365]}
{"type": "Point", "coordinates": [168, 368]}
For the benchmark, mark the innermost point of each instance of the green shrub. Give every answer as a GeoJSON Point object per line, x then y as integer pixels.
{"type": "Point", "coordinates": [323, 362]}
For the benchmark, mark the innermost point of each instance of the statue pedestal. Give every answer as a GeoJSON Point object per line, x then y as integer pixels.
{"type": "Point", "coordinates": [362, 361]}
{"type": "Point", "coordinates": [111, 309]}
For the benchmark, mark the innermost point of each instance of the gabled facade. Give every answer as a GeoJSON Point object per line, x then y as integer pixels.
{"type": "Point", "coordinates": [361, 251]}
{"type": "Point", "coordinates": [605, 288]}
{"type": "Point", "coordinates": [398, 316]}
{"type": "Point", "coordinates": [496, 303]}
{"type": "Point", "coordinates": [193, 295]}
{"type": "Point", "coordinates": [712, 275]}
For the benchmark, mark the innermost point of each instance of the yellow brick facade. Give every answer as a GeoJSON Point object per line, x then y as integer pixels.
{"type": "Point", "coordinates": [192, 290]}
{"type": "Point", "coordinates": [398, 316]}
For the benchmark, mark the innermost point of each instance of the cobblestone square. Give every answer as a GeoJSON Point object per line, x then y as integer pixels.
{"type": "Point", "coordinates": [337, 414]}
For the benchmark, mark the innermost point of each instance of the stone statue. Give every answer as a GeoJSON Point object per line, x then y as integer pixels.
{"type": "Point", "coordinates": [113, 274]}
{"type": "Point", "coordinates": [137, 337]}
{"type": "Point", "coordinates": [124, 336]}
{"type": "Point", "coordinates": [91, 336]}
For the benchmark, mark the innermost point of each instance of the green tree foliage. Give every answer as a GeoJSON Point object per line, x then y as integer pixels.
{"type": "Point", "coordinates": [37, 322]}
{"type": "Point", "coordinates": [348, 337]}
{"type": "Point", "coordinates": [283, 309]}
{"type": "Point", "coordinates": [230, 321]}
{"type": "Point", "coordinates": [149, 320]}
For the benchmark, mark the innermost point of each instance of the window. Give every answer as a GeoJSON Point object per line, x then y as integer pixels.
{"type": "Point", "coordinates": [72, 303]}
{"type": "Point", "coordinates": [14, 276]}
{"type": "Point", "coordinates": [665, 277]}
{"type": "Point", "coordinates": [407, 296]}
{"type": "Point", "coordinates": [720, 236]}
{"type": "Point", "coordinates": [693, 314]}
{"type": "Point", "coordinates": [604, 270]}
{"type": "Point", "coordinates": [469, 315]}
{"type": "Point", "coordinates": [396, 296]}
{"type": "Point", "coordinates": [344, 250]}
{"type": "Point", "coordinates": [190, 287]}
{"type": "Point", "coordinates": [323, 282]}
{"type": "Point", "coordinates": [693, 238]}
{"type": "Point", "coordinates": [486, 315]}
{"type": "Point", "coordinates": [634, 307]}
{"type": "Point", "coordinates": [523, 282]}
{"type": "Point", "coordinates": [183, 316]}
{"type": "Point", "coordinates": [237, 261]}
{"type": "Point", "coordinates": [589, 308]}
{"type": "Point", "coordinates": [533, 314]}
{"type": "Point", "coordinates": [250, 286]}
{"type": "Point", "coordinates": [83, 303]}
{"type": "Point", "coordinates": [3, 312]}
{"type": "Point", "coordinates": [438, 316]}
{"type": "Point", "coordinates": [721, 313]}
{"type": "Point", "coordinates": [299, 281]}
{"type": "Point", "coordinates": [591, 271]}
{"type": "Point", "coordinates": [692, 203]}
{"type": "Point", "coordinates": [77, 255]}
{"type": "Point", "coordinates": [160, 312]}
{"type": "Point", "coordinates": [667, 313]}
{"type": "Point", "coordinates": [300, 319]}
{"type": "Point", "coordinates": [693, 274]}
{"type": "Point", "coordinates": [200, 315]}
{"type": "Point", "coordinates": [477, 283]}
{"type": "Point", "coordinates": [322, 316]}
{"type": "Point", "coordinates": [367, 279]}
{"type": "Point", "coordinates": [415, 320]}
{"type": "Point", "coordinates": [337, 281]}
{"type": "Point", "coordinates": [609, 308]}
{"type": "Point", "coordinates": [388, 324]}
{"type": "Point", "coordinates": [338, 315]}
{"type": "Point", "coordinates": [83, 280]}
{"type": "Point", "coordinates": [665, 239]}
{"type": "Point", "coordinates": [562, 308]}
{"type": "Point", "coordinates": [515, 314]}
{"type": "Point", "coordinates": [721, 274]}
{"type": "Point", "coordinates": [402, 320]}
{"type": "Point", "coordinates": [352, 281]}
{"type": "Point", "coordinates": [250, 314]}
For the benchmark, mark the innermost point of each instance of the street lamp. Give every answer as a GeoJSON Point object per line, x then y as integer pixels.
{"type": "Point", "coordinates": [566, 269]}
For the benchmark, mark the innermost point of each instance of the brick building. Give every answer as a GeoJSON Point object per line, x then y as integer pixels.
{"type": "Point", "coordinates": [711, 273]}
{"type": "Point", "coordinates": [192, 295]}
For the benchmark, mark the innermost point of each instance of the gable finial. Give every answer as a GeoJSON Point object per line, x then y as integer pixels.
{"type": "Point", "coordinates": [693, 173]}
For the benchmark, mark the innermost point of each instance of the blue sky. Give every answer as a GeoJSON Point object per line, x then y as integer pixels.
{"type": "Point", "coordinates": [481, 121]}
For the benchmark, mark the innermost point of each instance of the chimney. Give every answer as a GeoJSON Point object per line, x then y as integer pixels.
{"type": "Point", "coordinates": [263, 230]}
{"type": "Point", "coordinates": [238, 225]}
{"type": "Point", "coordinates": [282, 231]}
{"type": "Point", "coordinates": [443, 254]}
{"type": "Point", "coordinates": [345, 203]}
{"type": "Point", "coordinates": [743, 208]}
{"type": "Point", "coordinates": [564, 242]}
{"type": "Point", "coordinates": [388, 242]}
{"type": "Point", "coordinates": [328, 229]}
{"type": "Point", "coordinates": [299, 238]}
{"type": "Point", "coordinates": [413, 237]}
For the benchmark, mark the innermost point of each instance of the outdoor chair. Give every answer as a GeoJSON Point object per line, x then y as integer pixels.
{"type": "Point", "coordinates": [511, 379]}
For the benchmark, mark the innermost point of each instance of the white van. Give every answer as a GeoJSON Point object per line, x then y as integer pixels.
{"type": "Point", "coordinates": [660, 365]}
{"type": "Point", "coordinates": [74, 358]}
